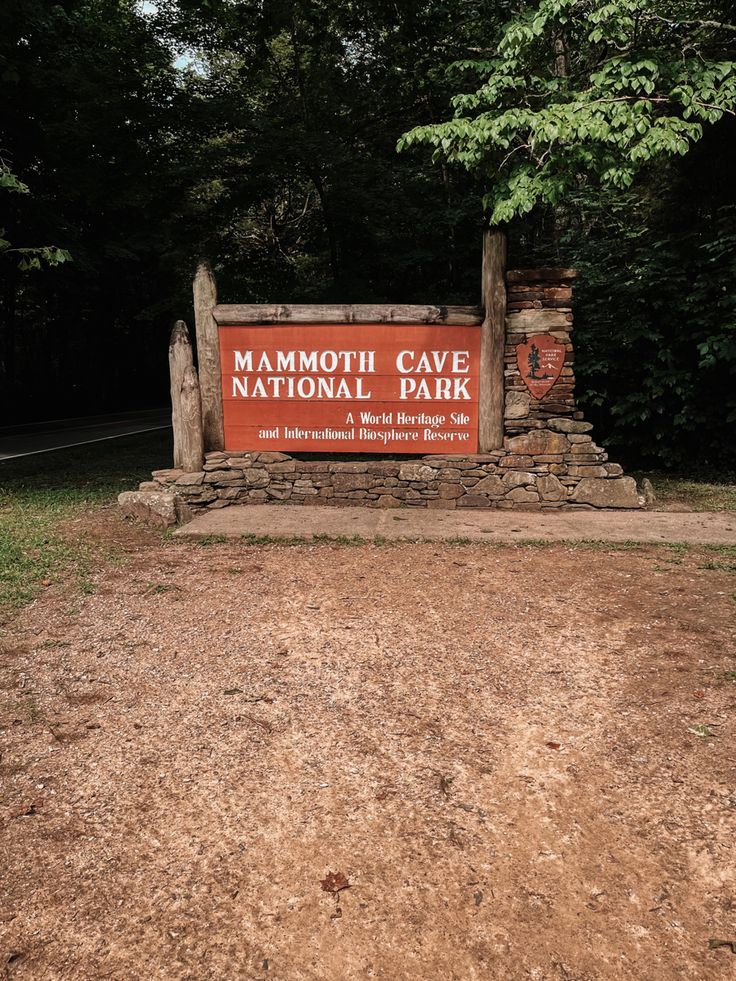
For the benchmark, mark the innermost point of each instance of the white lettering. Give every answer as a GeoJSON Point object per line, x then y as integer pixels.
{"type": "Point", "coordinates": [305, 388]}
{"type": "Point", "coordinates": [243, 360]}
{"type": "Point", "coordinates": [400, 362]}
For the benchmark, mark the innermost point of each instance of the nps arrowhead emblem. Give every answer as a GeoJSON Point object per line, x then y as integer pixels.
{"type": "Point", "coordinates": [540, 362]}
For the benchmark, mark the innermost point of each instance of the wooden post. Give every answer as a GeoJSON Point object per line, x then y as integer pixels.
{"type": "Point", "coordinates": [208, 357]}
{"type": "Point", "coordinates": [192, 443]}
{"type": "Point", "coordinates": [492, 341]}
{"type": "Point", "coordinates": [180, 358]}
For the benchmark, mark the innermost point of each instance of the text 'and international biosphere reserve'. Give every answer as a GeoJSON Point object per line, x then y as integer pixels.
{"type": "Point", "coordinates": [372, 388]}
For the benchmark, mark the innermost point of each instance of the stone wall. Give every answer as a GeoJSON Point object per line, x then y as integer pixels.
{"type": "Point", "coordinates": [548, 462]}
{"type": "Point", "coordinates": [539, 302]}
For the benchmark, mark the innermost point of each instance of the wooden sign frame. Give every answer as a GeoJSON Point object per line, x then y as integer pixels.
{"type": "Point", "coordinates": [490, 318]}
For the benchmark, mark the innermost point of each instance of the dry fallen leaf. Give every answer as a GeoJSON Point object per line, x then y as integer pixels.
{"type": "Point", "coordinates": [551, 745]}
{"type": "Point", "coordinates": [26, 810]}
{"type": "Point", "coordinates": [334, 882]}
{"type": "Point", "coordinates": [714, 944]}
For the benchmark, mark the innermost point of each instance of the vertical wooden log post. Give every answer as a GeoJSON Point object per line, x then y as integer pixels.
{"type": "Point", "coordinates": [208, 357]}
{"type": "Point", "coordinates": [492, 341]}
{"type": "Point", "coordinates": [192, 442]}
{"type": "Point", "coordinates": [180, 358]}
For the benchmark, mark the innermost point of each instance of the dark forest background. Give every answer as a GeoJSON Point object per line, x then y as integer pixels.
{"type": "Point", "coordinates": [263, 136]}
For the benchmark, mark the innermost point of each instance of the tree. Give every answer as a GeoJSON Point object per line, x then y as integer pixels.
{"type": "Point", "coordinates": [533, 361]}
{"type": "Point", "coordinates": [585, 89]}
{"type": "Point", "coordinates": [31, 257]}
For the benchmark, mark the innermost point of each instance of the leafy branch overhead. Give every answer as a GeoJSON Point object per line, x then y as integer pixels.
{"type": "Point", "coordinates": [584, 88]}
{"type": "Point", "coordinates": [30, 258]}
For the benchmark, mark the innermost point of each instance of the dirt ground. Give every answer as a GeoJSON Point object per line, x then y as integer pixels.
{"type": "Point", "coordinates": [503, 751]}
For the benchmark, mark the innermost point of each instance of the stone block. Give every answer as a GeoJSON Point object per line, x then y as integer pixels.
{"type": "Point", "coordinates": [257, 478]}
{"type": "Point", "coordinates": [349, 467]}
{"type": "Point", "coordinates": [521, 495]}
{"type": "Point", "coordinates": [216, 476]}
{"type": "Point", "coordinates": [272, 457]}
{"type": "Point", "coordinates": [491, 486]}
{"type": "Point", "coordinates": [448, 490]}
{"type": "Point", "coordinates": [384, 469]}
{"type": "Point", "coordinates": [586, 470]}
{"type": "Point", "coordinates": [516, 462]}
{"type": "Point", "coordinates": [279, 493]}
{"type": "Point", "coordinates": [518, 478]}
{"type": "Point", "coordinates": [539, 441]}
{"type": "Point", "coordinates": [416, 471]}
{"type": "Point", "coordinates": [229, 493]}
{"type": "Point", "coordinates": [343, 482]}
{"type": "Point", "coordinates": [472, 501]}
{"type": "Point", "coordinates": [167, 476]}
{"type": "Point", "coordinates": [286, 466]}
{"type": "Point", "coordinates": [550, 489]}
{"type": "Point", "coordinates": [517, 404]}
{"type": "Point", "coordinates": [561, 424]}
{"type": "Point", "coordinates": [388, 501]}
{"type": "Point", "coordinates": [155, 508]}
{"type": "Point", "coordinates": [191, 479]}
{"type": "Point", "coordinates": [613, 492]}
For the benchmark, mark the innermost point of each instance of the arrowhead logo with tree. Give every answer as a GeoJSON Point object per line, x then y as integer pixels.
{"type": "Point", "coordinates": [540, 362]}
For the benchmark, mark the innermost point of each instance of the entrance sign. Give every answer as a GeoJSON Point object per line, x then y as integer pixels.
{"type": "Point", "coordinates": [540, 362]}
{"type": "Point", "coordinates": [342, 387]}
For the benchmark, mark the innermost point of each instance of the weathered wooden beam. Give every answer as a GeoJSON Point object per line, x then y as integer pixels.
{"type": "Point", "coordinates": [180, 358]}
{"type": "Point", "coordinates": [492, 341]}
{"type": "Point", "coordinates": [357, 313]}
{"type": "Point", "coordinates": [208, 357]}
{"type": "Point", "coordinates": [190, 423]}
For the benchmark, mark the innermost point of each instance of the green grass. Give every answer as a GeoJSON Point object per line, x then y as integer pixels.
{"type": "Point", "coordinates": [38, 494]}
{"type": "Point", "coordinates": [719, 566]}
{"type": "Point", "coordinates": [693, 495]}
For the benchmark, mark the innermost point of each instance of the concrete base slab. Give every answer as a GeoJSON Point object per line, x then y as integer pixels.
{"type": "Point", "coordinates": [272, 521]}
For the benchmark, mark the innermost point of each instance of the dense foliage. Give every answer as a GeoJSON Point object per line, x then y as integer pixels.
{"type": "Point", "coordinates": [264, 136]}
{"type": "Point", "coordinates": [584, 88]}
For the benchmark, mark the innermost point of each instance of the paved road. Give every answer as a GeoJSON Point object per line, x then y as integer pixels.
{"type": "Point", "coordinates": [711, 528]}
{"type": "Point", "coordinates": [42, 437]}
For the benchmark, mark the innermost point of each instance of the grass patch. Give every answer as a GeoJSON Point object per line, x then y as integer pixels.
{"type": "Point", "coordinates": [38, 494]}
{"type": "Point", "coordinates": [693, 495]}
{"type": "Point", "coordinates": [703, 730]}
{"type": "Point", "coordinates": [719, 566]}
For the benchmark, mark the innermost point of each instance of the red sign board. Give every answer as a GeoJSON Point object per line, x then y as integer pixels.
{"type": "Point", "coordinates": [368, 388]}
{"type": "Point", "coordinates": [540, 362]}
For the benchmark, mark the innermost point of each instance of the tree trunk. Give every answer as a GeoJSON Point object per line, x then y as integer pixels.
{"type": "Point", "coordinates": [492, 341]}
{"type": "Point", "coordinates": [208, 358]}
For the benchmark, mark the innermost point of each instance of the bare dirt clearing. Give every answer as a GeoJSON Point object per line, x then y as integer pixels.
{"type": "Point", "coordinates": [505, 751]}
